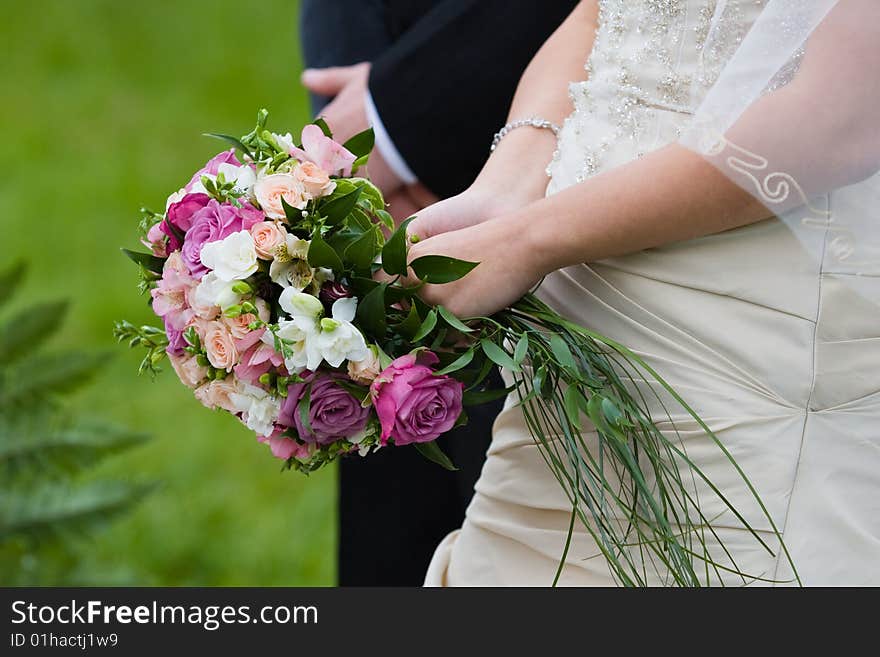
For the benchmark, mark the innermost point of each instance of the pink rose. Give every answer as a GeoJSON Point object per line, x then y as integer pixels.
{"type": "Point", "coordinates": [314, 179]}
{"type": "Point", "coordinates": [190, 373]}
{"type": "Point", "coordinates": [220, 347]}
{"type": "Point", "coordinates": [256, 361]}
{"type": "Point", "coordinates": [270, 189]}
{"type": "Point", "coordinates": [216, 394]}
{"type": "Point", "coordinates": [413, 404]}
{"type": "Point", "coordinates": [319, 149]}
{"type": "Point", "coordinates": [212, 223]}
{"type": "Point", "coordinates": [268, 236]}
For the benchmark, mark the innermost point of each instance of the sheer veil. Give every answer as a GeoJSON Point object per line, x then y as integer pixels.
{"type": "Point", "coordinates": [793, 117]}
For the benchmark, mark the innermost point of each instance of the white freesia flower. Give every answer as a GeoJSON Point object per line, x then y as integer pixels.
{"type": "Point", "coordinates": [314, 338]}
{"type": "Point", "coordinates": [233, 258]}
{"type": "Point", "coordinates": [213, 291]}
{"type": "Point", "coordinates": [243, 176]}
{"type": "Point", "coordinates": [290, 266]}
{"type": "Point", "coordinates": [285, 141]}
{"type": "Point", "coordinates": [259, 409]}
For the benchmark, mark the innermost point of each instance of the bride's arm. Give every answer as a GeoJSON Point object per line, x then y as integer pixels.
{"type": "Point", "coordinates": [542, 92]}
{"type": "Point", "coordinates": [669, 195]}
{"type": "Point", "coordinates": [523, 154]}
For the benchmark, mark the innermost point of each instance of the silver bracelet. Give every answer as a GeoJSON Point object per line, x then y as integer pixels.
{"type": "Point", "coordinates": [532, 122]}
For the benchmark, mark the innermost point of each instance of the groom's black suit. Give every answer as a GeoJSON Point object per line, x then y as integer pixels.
{"type": "Point", "coordinates": [443, 75]}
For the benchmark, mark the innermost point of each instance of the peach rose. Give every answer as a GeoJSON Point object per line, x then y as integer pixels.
{"type": "Point", "coordinates": [215, 394]}
{"type": "Point", "coordinates": [268, 236]}
{"type": "Point", "coordinates": [270, 189]}
{"type": "Point", "coordinates": [203, 311]}
{"type": "Point", "coordinates": [238, 326]}
{"type": "Point", "coordinates": [201, 326]}
{"type": "Point", "coordinates": [190, 373]}
{"type": "Point", "coordinates": [220, 347]}
{"type": "Point", "coordinates": [314, 179]}
{"type": "Point", "coordinates": [364, 371]}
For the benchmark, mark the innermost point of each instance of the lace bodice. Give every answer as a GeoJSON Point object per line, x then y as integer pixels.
{"type": "Point", "coordinates": [649, 67]}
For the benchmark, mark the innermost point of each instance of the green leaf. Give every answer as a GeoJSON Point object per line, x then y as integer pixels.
{"type": "Point", "coordinates": [459, 363]}
{"type": "Point", "coordinates": [497, 355]}
{"type": "Point", "coordinates": [411, 323]}
{"type": "Point", "coordinates": [55, 508]}
{"type": "Point", "coordinates": [27, 329]}
{"type": "Point", "coordinates": [371, 196]}
{"type": "Point", "coordinates": [10, 280]}
{"type": "Point", "coordinates": [394, 252]}
{"type": "Point", "coordinates": [358, 163]}
{"type": "Point", "coordinates": [363, 251]}
{"type": "Point", "coordinates": [147, 260]}
{"type": "Point", "coordinates": [293, 215]}
{"type": "Point", "coordinates": [371, 312]}
{"type": "Point", "coordinates": [477, 397]}
{"type": "Point", "coordinates": [385, 218]}
{"type": "Point", "coordinates": [521, 350]}
{"type": "Point", "coordinates": [321, 123]}
{"type": "Point", "coordinates": [426, 327]}
{"type": "Point", "coordinates": [561, 352]}
{"type": "Point", "coordinates": [229, 139]}
{"type": "Point", "coordinates": [49, 374]}
{"type": "Point", "coordinates": [361, 144]}
{"type": "Point", "coordinates": [453, 321]}
{"type": "Point", "coordinates": [572, 406]}
{"type": "Point", "coordinates": [322, 254]}
{"type": "Point", "coordinates": [438, 269]}
{"type": "Point", "coordinates": [64, 450]}
{"type": "Point", "coordinates": [432, 452]}
{"type": "Point", "coordinates": [337, 209]}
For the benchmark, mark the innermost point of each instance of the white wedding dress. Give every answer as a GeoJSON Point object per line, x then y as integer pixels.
{"type": "Point", "coordinates": [772, 349]}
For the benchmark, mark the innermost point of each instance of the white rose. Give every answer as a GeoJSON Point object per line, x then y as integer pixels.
{"type": "Point", "coordinates": [233, 258]}
{"type": "Point", "coordinates": [259, 409]}
{"type": "Point", "coordinates": [213, 291]}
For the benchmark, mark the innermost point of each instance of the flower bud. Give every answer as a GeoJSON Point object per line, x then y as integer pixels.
{"type": "Point", "coordinates": [332, 291]}
{"type": "Point", "coordinates": [233, 311]}
{"type": "Point", "coordinates": [242, 287]}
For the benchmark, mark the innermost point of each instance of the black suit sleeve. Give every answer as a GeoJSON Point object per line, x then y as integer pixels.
{"type": "Point", "coordinates": [445, 86]}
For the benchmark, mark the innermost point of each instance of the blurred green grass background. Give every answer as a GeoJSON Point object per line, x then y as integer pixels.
{"type": "Point", "coordinates": [103, 106]}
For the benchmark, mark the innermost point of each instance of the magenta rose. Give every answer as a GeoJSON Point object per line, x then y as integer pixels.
{"type": "Point", "coordinates": [212, 166]}
{"type": "Point", "coordinates": [334, 412]}
{"type": "Point", "coordinates": [415, 405]}
{"type": "Point", "coordinates": [215, 222]}
{"type": "Point", "coordinates": [180, 216]}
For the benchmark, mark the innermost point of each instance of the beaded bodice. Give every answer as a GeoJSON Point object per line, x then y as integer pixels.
{"type": "Point", "coordinates": [651, 62]}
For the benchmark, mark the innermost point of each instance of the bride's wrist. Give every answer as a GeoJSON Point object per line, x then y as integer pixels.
{"type": "Point", "coordinates": [515, 173]}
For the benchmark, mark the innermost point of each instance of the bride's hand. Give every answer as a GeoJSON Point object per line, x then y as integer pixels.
{"type": "Point", "coordinates": [510, 265]}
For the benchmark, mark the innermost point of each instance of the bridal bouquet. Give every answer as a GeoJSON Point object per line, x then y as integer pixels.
{"type": "Point", "coordinates": [281, 284]}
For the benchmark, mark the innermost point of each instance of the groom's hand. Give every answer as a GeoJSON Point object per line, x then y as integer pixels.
{"type": "Point", "coordinates": [346, 114]}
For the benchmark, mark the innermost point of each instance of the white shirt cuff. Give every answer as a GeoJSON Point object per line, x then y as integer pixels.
{"type": "Point", "coordinates": [386, 147]}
